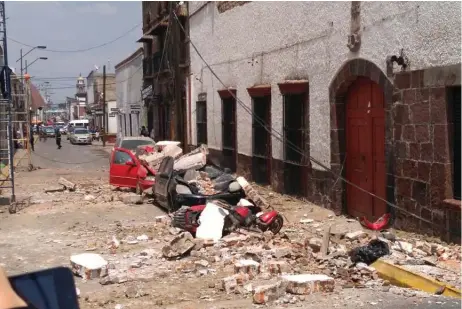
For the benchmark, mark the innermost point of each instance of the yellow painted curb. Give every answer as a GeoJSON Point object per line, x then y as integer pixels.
{"type": "Point", "coordinates": [408, 279]}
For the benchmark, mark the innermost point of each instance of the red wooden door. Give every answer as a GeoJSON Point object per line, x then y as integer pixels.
{"type": "Point", "coordinates": [365, 148]}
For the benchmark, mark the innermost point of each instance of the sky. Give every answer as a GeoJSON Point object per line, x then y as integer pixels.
{"type": "Point", "coordinates": [71, 26]}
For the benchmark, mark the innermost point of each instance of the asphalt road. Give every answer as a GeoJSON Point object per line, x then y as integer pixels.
{"type": "Point", "coordinates": [87, 157]}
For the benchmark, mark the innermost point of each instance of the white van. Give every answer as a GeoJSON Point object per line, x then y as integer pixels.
{"type": "Point", "coordinates": [82, 123]}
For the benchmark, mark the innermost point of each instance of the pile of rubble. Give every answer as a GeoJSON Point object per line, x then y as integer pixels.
{"type": "Point", "coordinates": [284, 268]}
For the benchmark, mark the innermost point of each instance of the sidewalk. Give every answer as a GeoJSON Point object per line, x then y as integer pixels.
{"type": "Point", "coordinates": [99, 144]}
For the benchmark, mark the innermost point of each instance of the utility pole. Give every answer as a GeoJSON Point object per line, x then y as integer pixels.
{"type": "Point", "coordinates": [177, 78]}
{"type": "Point", "coordinates": [104, 105]}
{"type": "Point", "coordinates": [22, 73]}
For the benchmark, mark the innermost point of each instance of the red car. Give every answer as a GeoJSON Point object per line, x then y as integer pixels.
{"type": "Point", "coordinates": [126, 171]}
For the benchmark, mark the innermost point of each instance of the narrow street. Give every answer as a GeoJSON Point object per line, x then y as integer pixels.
{"type": "Point", "coordinates": [54, 226]}
{"type": "Point", "coordinates": [81, 157]}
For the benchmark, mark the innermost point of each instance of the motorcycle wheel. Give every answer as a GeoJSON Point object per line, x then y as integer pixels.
{"type": "Point", "coordinates": [276, 225]}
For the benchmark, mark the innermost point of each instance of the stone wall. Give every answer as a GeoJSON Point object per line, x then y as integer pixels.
{"type": "Point", "coordinates": [421, 133]}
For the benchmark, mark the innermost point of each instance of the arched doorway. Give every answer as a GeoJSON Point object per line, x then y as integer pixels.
{"type": "Point", "coordinates": [365, 148]}
{"type": "Point", "coordinates": [360, 80]}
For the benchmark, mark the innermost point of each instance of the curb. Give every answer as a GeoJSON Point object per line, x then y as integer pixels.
{"type": "Point", "coordinates": [408, 279]}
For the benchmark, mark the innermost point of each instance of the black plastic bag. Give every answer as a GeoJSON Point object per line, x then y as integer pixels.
{"type": "Point", "coordinates": [369, 253]}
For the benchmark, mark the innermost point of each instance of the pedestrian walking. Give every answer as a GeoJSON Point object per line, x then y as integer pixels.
{"type": "Point", "coordinates": [58, 137]}
{"type": "Point", "coordinates": [31, 138]}
{"type": "Point", "coordinates": [144, 132]}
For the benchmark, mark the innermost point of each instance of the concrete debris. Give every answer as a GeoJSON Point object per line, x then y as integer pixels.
{"type": "Point", "coordinates": [252, 194]}
{"type": "Point", "coordinates": [192, 161]}
{"type": "Point", "coordinates": [179, 246]}
{"type": "Point", "coordinates": [89, 198]}
{"type": "Point", "coordinates": [88, 265]}
{"type": "Point", "coordinates": [131, 199]}
{"type": "Point", "coordinates": [67, 184]}
{"type": "Point", "coordinates": [154, 159]}
{"type": "Point", "coordinates": [142, 238]}
{"type": "Point", "coordinates": [355, 235]}
{"type": "Point", "coordinates": [55, 189]}
{"type": "Point", "coordinates": [306, 284]}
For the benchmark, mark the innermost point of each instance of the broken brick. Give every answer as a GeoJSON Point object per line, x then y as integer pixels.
{"type": "Point", "coordinates": [268, 292]}
{"type": "Point", "coordinates": [230, 284]}
{"type": "Point", "coordinates": [278, 267]}
{"type": "Point", "coordinates": [307, 284]}
{"type": "Point", "coordinates": [249, 267]}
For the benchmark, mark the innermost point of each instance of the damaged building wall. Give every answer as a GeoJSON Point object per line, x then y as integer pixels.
{"type": "Point", "coordinates": [314, 48]}
{"type": "Point", "coordinates": [328, 50]}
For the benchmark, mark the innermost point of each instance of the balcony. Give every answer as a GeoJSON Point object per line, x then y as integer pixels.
{"type": "Point", "coordinates": [157, 65]}
{"type": "Point", "coordinates": [147, 67]}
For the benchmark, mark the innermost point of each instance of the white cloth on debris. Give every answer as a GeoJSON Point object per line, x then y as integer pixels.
{"type": "Point", "coordinates": [212, 220]}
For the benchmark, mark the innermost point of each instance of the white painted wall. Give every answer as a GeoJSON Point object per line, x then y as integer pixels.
{"type": "Point", "coordinates": [129, 80]}
{"type": "Point", "coordinates": [307, 40]}
{"type": "Point", "coordinates": [112, 121]}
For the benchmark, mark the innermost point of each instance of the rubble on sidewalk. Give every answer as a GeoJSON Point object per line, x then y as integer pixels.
{"type": "Point", "coordinates": [88, 265]}
{"type": "Point", "coordinates": [179, 246]}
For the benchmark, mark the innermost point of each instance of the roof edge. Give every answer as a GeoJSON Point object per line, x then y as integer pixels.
{"type": "Point", "coordinates": [129, 58]}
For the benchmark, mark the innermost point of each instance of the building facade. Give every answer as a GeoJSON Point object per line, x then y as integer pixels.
{"type": "Point", "coordinates": [165, 69]}
{"type": "Point", "coordinates": [95, 99]}
{"type": "Point", "coordinates": [363, 91]}
{"type": "Point", "coordinates": [129, 82]}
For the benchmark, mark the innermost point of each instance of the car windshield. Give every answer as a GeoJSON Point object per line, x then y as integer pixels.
{"type": "Point", "coordinates": [80, 131]}
{"type": "Point", "coordinates": [49, 129]}
{"type": "Point", "coordinates": [133, 143]}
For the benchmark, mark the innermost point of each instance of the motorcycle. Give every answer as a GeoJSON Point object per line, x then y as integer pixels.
{"type": "Point", "coordinates": [244, 215]}
{"type": "Point", "coordinates": [176, 194]}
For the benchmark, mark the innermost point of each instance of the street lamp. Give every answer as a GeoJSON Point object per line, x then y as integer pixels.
{"type": "Point", "coordinates": [33, 48]}
{"type": "Point", "coordinates": [38, 58]}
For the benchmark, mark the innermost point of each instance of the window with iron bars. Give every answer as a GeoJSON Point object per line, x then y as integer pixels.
{"type": "Point", "coordinates": [201, 122]}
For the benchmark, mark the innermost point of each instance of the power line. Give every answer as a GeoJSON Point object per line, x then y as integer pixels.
{"type": "Point", "coordinates": [78, 50]}
{"type": "Point", "coordinates": [115, 83]}
{"type": "Point", "coordinates": [291, 145]}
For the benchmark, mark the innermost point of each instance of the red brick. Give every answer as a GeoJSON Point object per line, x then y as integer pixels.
{"type": "Point", "coordinates": [409, 96]}
{"type": "Point", "coordinates": [423, 95]}
{"type": "Point", "coordinates": [423, 171]}
{"type": "Point", "coordinates": [397, 132]}
{"type": "Point", "coordinates": [420, 192]}
{"type": "Point", "coordinates": [426, 152]}
{"type": "Point", "coordinates": [401, 150]}
{"type": "Point", "coordinates": [401, 113]}
{"type": "Point", "coordinates": [420, 113]}
{"type": "Point", "coordinates": [403, 80]}
{"type": "Point", "coordinates": [409, 133]}
{"type": "Point", "coordinates": [422, 133]}
{"type": "Point", "coordinates": [438, 105]}
{"type": "Point", "coordinates": [409, 169]}
{"type": "Point", "coordinates": [437, 93]}
{"type": "Point", "coordinates": [441, 144]}
{"type": "Point", "coordinates": [403, 186]}
{"type": "Point", "coordinates": [426, 213]}
{"type": "Point", "coordinates": [417, 79]}
{"type": "Point", "coordinates": [408, 203]}
{"type": "Point", "coordinates": [414, 151]}
{"type": "Point", "coordinates": [399, 167]}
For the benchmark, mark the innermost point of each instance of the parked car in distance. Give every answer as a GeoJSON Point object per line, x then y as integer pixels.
{"type": "Point", "coordinates": [80, 136]}
{"type": "Point", "coordinates": [70, 129]}
{"type": "Point", "coordinates": [49, 131]}
{"type": "Point", "coordinates": [63, 130]}
{"type": "Point", "coordinates": [132, 142]}
{"type": "Point", "coordinates": [126, 171]}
